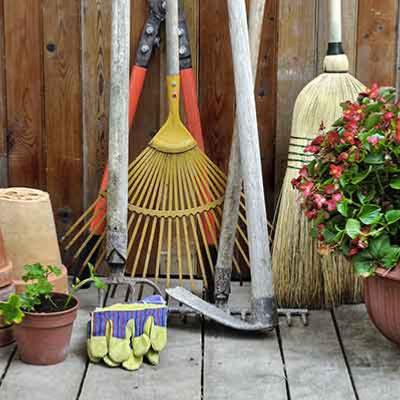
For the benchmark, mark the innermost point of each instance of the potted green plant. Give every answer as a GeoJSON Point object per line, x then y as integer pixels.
{"type": "Point", "coordinates": [43, 319]}
{"type": "Point", "coordinates": [351, 192]}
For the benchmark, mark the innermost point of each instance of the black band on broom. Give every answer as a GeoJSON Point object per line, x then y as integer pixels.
{"type": "Point", "coordinates": [302, 276]}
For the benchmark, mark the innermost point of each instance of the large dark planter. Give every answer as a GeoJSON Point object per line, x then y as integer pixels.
{"type": "Point", "coordinates": [382, 298]}
{"type": "Point", "coordinates": [43, 338]}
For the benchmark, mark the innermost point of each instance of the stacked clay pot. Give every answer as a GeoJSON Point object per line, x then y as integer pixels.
{"type": "Point", "coordinates": [29, 232]}
{"type": "Point", "coordinates": [6, 288]}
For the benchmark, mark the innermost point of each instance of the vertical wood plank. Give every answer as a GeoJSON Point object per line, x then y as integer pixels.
{"type": "Point", "coordinates": [376, 56]}
{"type": "Point", "coordinates": [296, 67]}
{"type": "Point", "coordinates": [61, 45]}
{"type": "Point", "coordinates": [349, 34]}
{"type": "Point", "coordinates": [373, 360]}
{"type": "Point", "coordinates": [314, 362]}
{"type": "Point", "coordinates": [23, 61]}
{"type": "Point", "coordinates": [3, 106]}
{"type": "Point", "coordinates": [240, 366]}
{"type": "Point", "coordinates": [216, 81]}
{"type": "Point", "coordinates": [266, 97]}
{"type": "Point", "coordinates": [96, 47]}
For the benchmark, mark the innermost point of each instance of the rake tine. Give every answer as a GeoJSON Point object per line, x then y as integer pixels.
{"type": "Point", "coordinates": [95, 247]}
{"type": "Point", "coordinates": [177, 220]}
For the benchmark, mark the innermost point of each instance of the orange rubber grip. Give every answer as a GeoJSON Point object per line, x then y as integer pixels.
{"type": "Point", "coordinates": [189, 94]}
{"type": "Point", "coordinates": [138, 75]}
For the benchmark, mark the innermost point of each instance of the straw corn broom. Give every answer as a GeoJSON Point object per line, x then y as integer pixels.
{"type": "Point", "coordinates": [302, 277]}
{"type": "Point", "coordinates": [175, 196]}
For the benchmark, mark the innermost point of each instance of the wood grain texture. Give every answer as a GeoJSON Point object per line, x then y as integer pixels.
{"type": "Point", "coordinates": [296, 67]}
{"type": "Point", "coordinates": [62, 89]}
{"type": "Point", "coordinates": [216, 81]}
{"type": "Point", "coordinates": [373, 360]}
{"type": "Point", "coordinates": [232, 367]}
{"type": "Point", "coordinates": [376, 55]}
{"type": "Point", "coordinates": [96, 47]}
{"type": "Point", "coordinates": [23, 61]}
{"type": "Point", "coordinates": [314, 363]}
{"type": "Point", "coordinates": [349, 31]}
{"type": "Point", "coordinates": [3, 107]}
{"type": "Point", "coordinates": [266, 99]}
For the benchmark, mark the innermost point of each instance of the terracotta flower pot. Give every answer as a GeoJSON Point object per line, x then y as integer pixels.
{"type": "Point", "coordinates": [382, 298]}
{"type": "Point", "coordinates": [43, 338]}
{"type": "Point", "coordinates": [27, 221]}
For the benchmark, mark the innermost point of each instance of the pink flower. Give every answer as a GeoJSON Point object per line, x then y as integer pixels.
{"type": "Point", "coordinates": [304, 171]}
{"type": "Point", "coordinates": [331, 205]}
{"type": "Point", "coordinates": [307, 188]}
{"type": "Point", "coordinates": [311, 214]}
{"type": "Point", "coordinates": [319, 201]}
{"type": "Point", "coordinates": [312, 149]}
{"type": "Point", "coordinates": [330, 189]}
{"type": "Point", "coordinates": [336, 171]}
{"type": "Point", "coordinates": [333, 138]}
{"type": "Point", "coordinates": [354, 251]}
{"type": "Point", "coordinates": [349, 137]}
{"type": "Point", "coordinates": [387, 116]}
{"type": "Point", "coordinates": [343, 156]}
{"type": "Point", "coordinates": [337, 196]}
{"type": "Point", "coordinates": [374, 140]}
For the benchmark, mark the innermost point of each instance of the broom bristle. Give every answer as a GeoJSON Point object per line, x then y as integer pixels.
{"type": "Point", "coordinates": [175, 211]}
{"type": "Point", "coordinates": [302, 277]}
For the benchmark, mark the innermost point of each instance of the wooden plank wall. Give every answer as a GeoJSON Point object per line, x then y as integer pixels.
{"type": "Point", "coordinates": [54, 84]}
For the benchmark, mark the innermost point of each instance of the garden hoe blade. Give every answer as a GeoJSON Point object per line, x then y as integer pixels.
{"type": "Point", "coordinates": [216, 314]}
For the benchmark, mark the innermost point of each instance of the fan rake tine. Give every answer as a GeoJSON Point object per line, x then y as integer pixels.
{"type": "Point", "coordinates": [185, 229]}
{"type": "Point", "coordinates": [151, 193]}
{"type": "Point", "coordinates": [81, 218]}
{"type": "Point", "coordinates": [177, 221]}
{"type": "Point", "coordinates": [193, 225]}
{"type": "Point", "coordinates": [95, 247]}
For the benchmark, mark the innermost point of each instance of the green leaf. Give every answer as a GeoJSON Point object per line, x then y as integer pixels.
{"type": "Point", "coordinates": [391, 257]}
{"type": "Point", "coordinates": [395, 183]}
{"type": "Point", "coordinates": [363, 264]}
{"type": "Point", "coordinates": [11, 310]}
{"type": "Point", "coordinates": [372, 120]}
{"type": "Point", "coordinates": [379, 246]}
{"type": "Point", "coordinates": [54, 270]}
{"type": "Point", "coordinates": [361, 176]}
{"type": "Point", "coordinates": [343, 208]}
{"type": "Point", "coordinates": [370, 214]}
{"type": "Point", "coordinates": [353, 227]}
{"type": "Point", "coordinates": [375, 158]}
{"type": "Point", "coordinates": [392, 216]}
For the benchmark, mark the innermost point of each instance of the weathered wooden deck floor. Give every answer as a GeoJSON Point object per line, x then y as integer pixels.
{"type": "Point", "coordinates": [339, 355]}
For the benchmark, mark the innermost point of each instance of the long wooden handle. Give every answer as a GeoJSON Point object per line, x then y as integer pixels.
{"type": "Point", "coordinates": [172, 37]}
{"type": "Point", "coordinates": [263, 302]}
{"type": "Point", "coordinates": [118, 148]}
{"type": "Point", "coordinates": [233, 188]}
{"type": "Point", "coordinates": [335, 21]}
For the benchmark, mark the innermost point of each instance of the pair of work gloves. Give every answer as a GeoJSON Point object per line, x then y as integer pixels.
{"type": "Point", "coordinates": [126, 334]}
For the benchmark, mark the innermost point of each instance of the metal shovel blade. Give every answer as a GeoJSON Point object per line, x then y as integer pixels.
{"type": "Point", "coordinates": [216, 314]}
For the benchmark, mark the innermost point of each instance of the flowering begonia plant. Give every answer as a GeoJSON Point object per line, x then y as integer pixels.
{"type": "Point", "coordinates": [351, 188]}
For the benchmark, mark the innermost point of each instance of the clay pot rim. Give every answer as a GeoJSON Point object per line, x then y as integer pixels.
{"type": "Point", "coordinates": [57, 313]}
{"type": "Point", "coordinates": [393, 274]}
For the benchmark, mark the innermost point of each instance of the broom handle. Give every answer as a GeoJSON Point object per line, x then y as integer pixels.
{"type": "Point", "coordinates": [263, 300]}
{"type": "Point", "coordinates": [172, 38]}
{"type": "Point", "coordinates": [233, 190]}
{"type": "Point", "coordinates": [117, 198]}
{"type": "Point", "coordinates": [335, 21]}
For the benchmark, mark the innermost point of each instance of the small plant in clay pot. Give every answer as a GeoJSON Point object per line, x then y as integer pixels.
{"type": "Point", "coordinates": [351, 192]}
{"type": "Point", "coordinates": [43, 319]}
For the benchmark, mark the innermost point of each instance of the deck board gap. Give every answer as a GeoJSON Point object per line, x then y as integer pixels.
{"type": "Point", "coordinates": [287, 385]}
{"type": "Point", "coordinates": [9, 361]}
{"type": "Point", "coordinates": [342, 348]}
{"type": "Point", "coordinates": [83, 380]}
